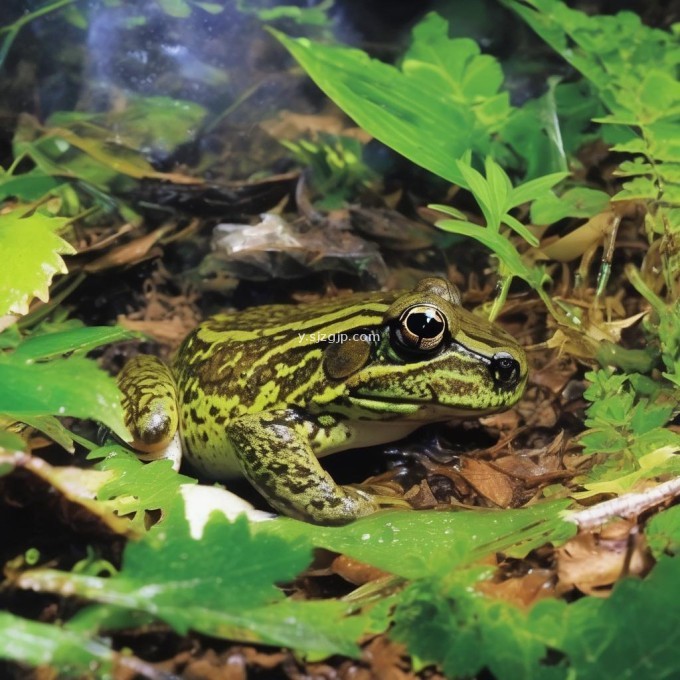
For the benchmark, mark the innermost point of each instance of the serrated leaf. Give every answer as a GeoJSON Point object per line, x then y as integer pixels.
{"type": "Point", "coordinates": [31, 255]}
{"type": "Point", "coordinates": [135, 487]}
{"type": "Point", "coordinates": [221, 585]}
{"type": "Point", "coordinates": [631, 634]}
{"type": "Point", "coordinates": [663, 533]}
{"type": "Point", "coordinates": [638, 188]}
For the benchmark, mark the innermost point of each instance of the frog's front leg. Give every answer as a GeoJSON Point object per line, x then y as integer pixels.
{"type": "Point", "coordinates": [150, 408]}
{"type": "Point", "coordinates": [276, 451]}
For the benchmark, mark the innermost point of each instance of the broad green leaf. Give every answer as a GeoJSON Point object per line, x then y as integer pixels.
{"type": "Point", "coordinates": [576, 202]}
{"type": "Point", "coordinates": [31, 255]}
{"type": "Point", "coordinates": [64, 387]}
{"type": "Point", "coordinates": [156, 125]}
{"type": "Point", "coordinates": [468, 633]}
{"type": "Point", "coordinates": [50, 426]}
{"type": "Point", "coordinates": [83, 339]}
{"type": "Point", "coordinates": [221, 585]}
{"type": "Point", "coordinates": [431, 110]}
{"type": "Point", "coordinates": [28, 187]}
{"type": "Point", "coordinates": [41, 644]}
{"type": "Point", "coordinates": [423, 544]}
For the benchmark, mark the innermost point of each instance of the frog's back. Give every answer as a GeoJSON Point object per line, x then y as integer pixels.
{"type": "Point", "coordinates": [262, 358]}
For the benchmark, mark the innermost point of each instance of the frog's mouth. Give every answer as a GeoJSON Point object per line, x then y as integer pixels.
{"type": "Point", "coordinates": [426, 411]}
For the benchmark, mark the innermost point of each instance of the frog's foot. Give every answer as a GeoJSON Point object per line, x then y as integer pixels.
{"type": "Point", "coordinates": [276, 455]}
{"type": "Point", "coordinates": [149, 403]}
{"type": "Point", "coordinates": [385, 496]}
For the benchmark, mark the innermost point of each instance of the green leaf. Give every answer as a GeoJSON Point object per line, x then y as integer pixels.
{"type": "Point", "coordinates": [31, 252]}
{"type": "Point", "coordinates": [501, 246]}
{"type": "Point", "coordinates": [65, 387]}
{"type": "Point", "coordinates": [431, 110]}
{"type": "Point", "coordinates": [520, 229]}
{"type": "Point", "coordinates": [11, 442]}
{"type": "Point", "coordinates": [137, 486]}
{"type": "Point", "coordinates": [41, 644]}
{"type": "Point", "coordinates": [179, 9]}
{"type": "Point", "coordinates": [28, 187]}
{"type": "Point", "coordinates": [221, 585]}
{"type": "Point", "coordinates": [432, 543]}
{"type": "Point", "coordinates": [210, 7]}
{"type": "Point", "coordinates": [534, 188]}
{"type": "Point", "coordinates": [84, 339]}
{"type": "Point", "coordinates": [632, 634]}
{"type": "Point", "coordinates": [663, 533]}
{"type": "Point", "coordinates": [465, 632]}
{"type": "Point", "coordinates": [576, 202]}
{"type": "Point", "coordinates": [50, 426]}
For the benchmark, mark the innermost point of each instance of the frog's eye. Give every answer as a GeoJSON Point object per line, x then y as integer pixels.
{"type": "Point", "coordinates": [505, 370]}
{"type": "Point", "coordinates": [421, 327]}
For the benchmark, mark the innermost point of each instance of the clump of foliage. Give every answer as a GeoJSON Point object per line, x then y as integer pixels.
{"type": "Point", "coordinates": [335, 166]}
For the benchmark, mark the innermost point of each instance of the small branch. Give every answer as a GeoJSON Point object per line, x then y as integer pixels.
{"type": "Point", "coordinates": [628, 505]}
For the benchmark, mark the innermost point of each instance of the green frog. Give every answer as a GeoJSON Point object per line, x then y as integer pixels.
{"type": "Point", "coordinates": [264, 393]}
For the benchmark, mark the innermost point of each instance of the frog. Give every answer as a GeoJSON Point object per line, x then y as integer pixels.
{"type": "Point", "coordinates": [266, 392]}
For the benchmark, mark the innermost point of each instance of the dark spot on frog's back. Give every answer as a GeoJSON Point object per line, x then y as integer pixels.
{"type": "Point", "coordinates": [195, 418]}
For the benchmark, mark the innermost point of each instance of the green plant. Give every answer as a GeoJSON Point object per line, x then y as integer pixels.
{"type": "Point", "coordinates": [40, 382]}
{"type": "Point", "coordinates": [335, 167]}
{"type": "Point", "coordinates": [445, 97]}
{"type": "Point", "coordinates": [633, 70]}
{"type": "Point", "coordinates": [496, 196]}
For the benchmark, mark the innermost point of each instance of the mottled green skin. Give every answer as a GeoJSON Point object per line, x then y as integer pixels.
{"type": "Point", "coordinates": [257, 398]}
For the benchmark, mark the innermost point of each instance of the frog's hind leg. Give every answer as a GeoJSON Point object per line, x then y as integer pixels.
{"type": "Point", "coordinates": [150, 408]}
{"type": "Point", "coordinates": [276, 455]}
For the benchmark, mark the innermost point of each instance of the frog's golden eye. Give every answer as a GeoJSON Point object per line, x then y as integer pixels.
{"type": "Point", "coordinates": [421, 327]}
